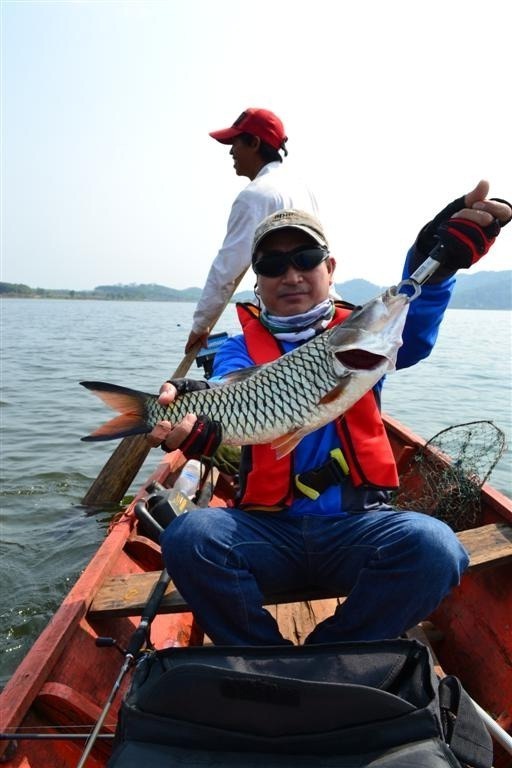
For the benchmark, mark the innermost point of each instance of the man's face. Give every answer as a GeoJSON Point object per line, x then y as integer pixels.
{"type": "Point", "coordinates": [295, 291]}
{"type": "Point", "coordinates": [243, 158]}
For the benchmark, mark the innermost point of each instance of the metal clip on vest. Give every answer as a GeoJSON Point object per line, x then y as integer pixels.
{"type": "Point", "coordinates": [315, 481]}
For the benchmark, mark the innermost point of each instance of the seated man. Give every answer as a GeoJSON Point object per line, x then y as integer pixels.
{"type": "Point", "coordinates": [395, 566]}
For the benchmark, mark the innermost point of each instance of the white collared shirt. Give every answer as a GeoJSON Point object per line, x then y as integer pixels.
{"type": "Point", "coordinates": [272, 190]}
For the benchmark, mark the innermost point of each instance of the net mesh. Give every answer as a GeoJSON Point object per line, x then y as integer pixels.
{"type": "Point", "coordinates": [445, 476]}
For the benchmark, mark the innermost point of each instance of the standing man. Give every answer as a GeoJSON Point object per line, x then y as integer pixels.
{"type": "Point", "coordinates": [256, 137]}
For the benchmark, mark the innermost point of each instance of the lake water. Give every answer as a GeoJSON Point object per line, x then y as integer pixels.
{"type": "Point", "coordinates": [46, 537]}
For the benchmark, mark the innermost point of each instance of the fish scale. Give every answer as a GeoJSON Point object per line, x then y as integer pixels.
{"type": "Point", "coordinates": [283, 392]}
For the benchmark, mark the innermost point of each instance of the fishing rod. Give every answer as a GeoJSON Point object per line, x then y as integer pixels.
{"type": "Point", "coordinates": [138, 639]}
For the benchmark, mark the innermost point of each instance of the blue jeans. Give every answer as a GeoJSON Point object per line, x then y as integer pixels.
{"type": "Point", "coordinates": [395, 567]}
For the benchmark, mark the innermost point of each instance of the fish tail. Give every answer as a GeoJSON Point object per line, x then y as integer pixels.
{"type": "Point", "coordinates": [129, 402]}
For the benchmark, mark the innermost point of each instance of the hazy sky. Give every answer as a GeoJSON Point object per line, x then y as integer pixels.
{"type": "Point", "coordinates": [108, 173]}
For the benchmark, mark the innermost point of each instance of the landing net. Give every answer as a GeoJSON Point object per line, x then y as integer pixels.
{"type": "Point", "coordinates": [445, 476]}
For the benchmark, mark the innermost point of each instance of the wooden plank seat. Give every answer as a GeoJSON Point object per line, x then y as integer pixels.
{"type": "Point", "coordinates": [488, 546]}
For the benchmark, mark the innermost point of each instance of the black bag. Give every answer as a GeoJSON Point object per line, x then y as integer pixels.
{"type": "Point", "coordinates": [344, 705]}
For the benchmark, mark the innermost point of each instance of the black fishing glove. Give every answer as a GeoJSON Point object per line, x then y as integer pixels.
{"type": "Point", "coordinates": [188, 385]}
{"type": "Point", "coordinates": [464, 241]}
{"type": "Point", "coordinates": [203, 440]}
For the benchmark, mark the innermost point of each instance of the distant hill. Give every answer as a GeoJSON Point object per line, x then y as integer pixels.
{"type": "Point", "coordinates": [482, 290]}
{"type": "Point", "coordinates": [118, 292]}
{"type": "Point", "coordinates": [148, 292]}
{"type": "Point", "coordinates": [358, 291]}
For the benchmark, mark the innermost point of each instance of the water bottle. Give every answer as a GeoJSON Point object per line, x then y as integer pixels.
{"type": "Point", "coordinates": [188, 482]}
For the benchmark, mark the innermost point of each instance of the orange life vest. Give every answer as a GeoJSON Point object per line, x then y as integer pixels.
{"type": "Point", "coordinates": [267, 482]}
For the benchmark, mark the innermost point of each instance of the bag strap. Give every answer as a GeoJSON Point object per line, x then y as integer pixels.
{"type": "Point", "coordinates": [463, 728]}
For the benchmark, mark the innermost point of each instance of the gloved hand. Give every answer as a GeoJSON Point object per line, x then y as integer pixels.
{"type": "Point", "coordinates": [203, 440]}
{"type": "Point", "coordinates": [465, 242]}
{"type": "Point", "coordinates": [188, 385]}
{"type": "Point", "coordinates": [465, 229]}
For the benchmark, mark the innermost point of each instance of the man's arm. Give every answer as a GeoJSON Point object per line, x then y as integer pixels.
{"type": "Point", "coordinates": [232, 356]}
{"type": "Point", "coordinates": [467, 229]}
{"type": "Point", "coordinates": [424, 317]}
{"type": "Point", "coordinates": [231, 261]}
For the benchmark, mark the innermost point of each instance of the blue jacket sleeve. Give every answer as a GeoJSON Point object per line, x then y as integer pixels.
{"type": "Point", "coordinates": [231, 357]}
{"type": "Point", "coordinates": [423, 319]}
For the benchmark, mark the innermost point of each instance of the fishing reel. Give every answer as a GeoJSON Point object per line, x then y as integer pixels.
{"type": "Point", "coordinates": [159, 509]}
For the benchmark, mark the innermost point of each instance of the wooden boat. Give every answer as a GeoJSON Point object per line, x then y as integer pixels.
{"type": "Point", "coordinates": [61, 687]}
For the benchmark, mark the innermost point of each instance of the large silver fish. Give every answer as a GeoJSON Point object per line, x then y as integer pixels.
{"type": "Point", "coordinates": [282, 401]}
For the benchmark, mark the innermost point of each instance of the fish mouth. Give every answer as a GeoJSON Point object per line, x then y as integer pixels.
{"type": "Point", "coordinates": [360, 359]}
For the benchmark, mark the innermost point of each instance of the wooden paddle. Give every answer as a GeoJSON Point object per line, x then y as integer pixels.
{"type": "Point", "coordinates": [121, 468]}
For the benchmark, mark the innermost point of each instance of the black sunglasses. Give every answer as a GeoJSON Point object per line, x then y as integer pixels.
{"type": "Point", "coordinates": [275, 263]}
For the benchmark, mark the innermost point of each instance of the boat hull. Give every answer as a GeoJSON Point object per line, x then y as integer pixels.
{"type": "Point", "coordinates": [65, 679]}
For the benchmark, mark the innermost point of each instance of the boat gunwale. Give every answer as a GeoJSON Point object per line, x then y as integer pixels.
{"type": "Point", "coordinates": [24, 685]}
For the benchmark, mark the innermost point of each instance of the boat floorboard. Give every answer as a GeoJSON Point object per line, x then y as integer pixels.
{"type": "Point", "coordinates": [126, 595]}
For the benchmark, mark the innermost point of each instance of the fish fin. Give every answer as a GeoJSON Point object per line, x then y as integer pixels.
{"type": "Point", "coordinates": [284, 444]}
{"type": "Point", "coordinates": [120, 426]}
{"type": "Point", "coordinates": [130, 403]}
{"type": "Point", "coordinates": [332, 394]}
